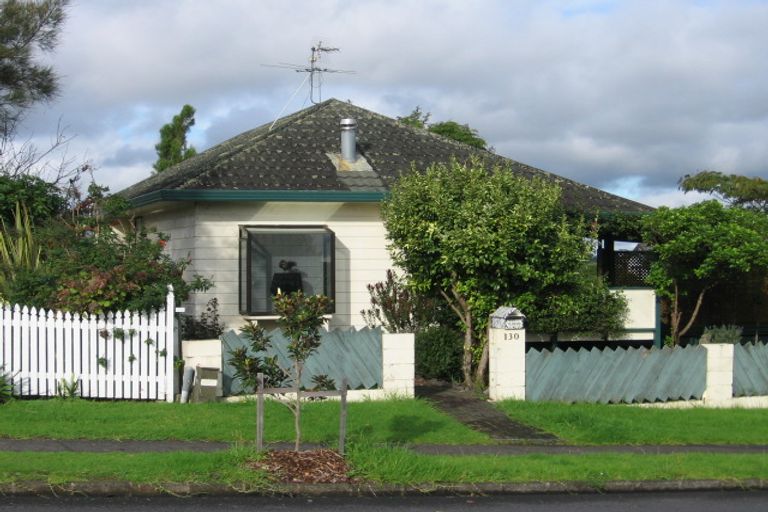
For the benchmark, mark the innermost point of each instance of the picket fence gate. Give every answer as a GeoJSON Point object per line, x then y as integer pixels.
{"type": "Point", "coordinates": [123, 355]}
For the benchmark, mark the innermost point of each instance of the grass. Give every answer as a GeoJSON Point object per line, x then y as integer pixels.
{"type": "Point", "coordinates": [226, 468]}
{"type": "Point", "coordinates": [393, 421]}
{"type": "Point", "coordinates": [399, 466]}
{"type": "Point", "coordinates": [393, 465]}
{"type": "Point", "coordinates": [377, 431]}
{"type": "Point", "coordinates": [600, 424]}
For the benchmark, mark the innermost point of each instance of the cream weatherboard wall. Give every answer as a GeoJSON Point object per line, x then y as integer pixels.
{"type": "Point", "coordinates": [209, 233]}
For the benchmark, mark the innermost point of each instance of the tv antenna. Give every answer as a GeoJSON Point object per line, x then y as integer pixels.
{"type": "Point", "coordinates": [314, 74]}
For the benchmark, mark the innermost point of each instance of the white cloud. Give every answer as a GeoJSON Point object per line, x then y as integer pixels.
{"type": "Point", "coordinates": [593, 90]}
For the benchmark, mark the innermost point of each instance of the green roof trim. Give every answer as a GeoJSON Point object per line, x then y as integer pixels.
{"type": "Point", "coordinates": [310, 196]}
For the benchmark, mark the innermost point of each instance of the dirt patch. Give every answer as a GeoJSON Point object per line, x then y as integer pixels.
{"type": "Point", "coordinates": [310, 467]}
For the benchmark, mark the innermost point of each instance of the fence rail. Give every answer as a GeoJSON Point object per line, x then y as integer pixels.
{"type": "Point", "coordinates": [355, 355]}
{"type": "Point", "coordinates": [612, 376]}
{"type": "Point", "coordinates": [123, 355]}
{"type": "Point", "coordinates": [750, 369]}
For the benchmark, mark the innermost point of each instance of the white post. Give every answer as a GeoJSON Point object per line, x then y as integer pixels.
{"type": "Point", "coordinates": [170, 345]}
{"type": "Point", "coordinates": [398, 361]}
{"type": "Point", "coordinates": [506, 363]}
{"type": "Point", "coordinates": [719, 383]}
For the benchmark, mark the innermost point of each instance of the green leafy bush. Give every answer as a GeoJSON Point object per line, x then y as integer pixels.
{"type": "Point", "coordinates": [208, 326]}
{"type": "Point", "coordinates": [86, 265]}
{"type": "Point", "coordinates": [722, 334]}
{"type": "Point", "coordinates": [438, 353]}
{"type": "Point", "coordinates": [42, 200]}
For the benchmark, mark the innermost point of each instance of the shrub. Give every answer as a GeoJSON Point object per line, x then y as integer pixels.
{"type": "Point", "coordinates": [207, 327]}
{"type": "Point", "coordinates": [438, 353]}
{"type": "Point", "coordinates": [721, 334]}
{"type": "Point", "coordinates": [396, 306]}
{"type": "Point", "coordinates": [86, 265]}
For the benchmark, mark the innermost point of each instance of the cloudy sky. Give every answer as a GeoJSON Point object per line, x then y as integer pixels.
{"type": "Point", "coordinates": [624, 95]}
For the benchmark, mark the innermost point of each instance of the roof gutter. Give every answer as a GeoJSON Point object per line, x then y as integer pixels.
{"type": "Point", "coordinates": [310, 196]}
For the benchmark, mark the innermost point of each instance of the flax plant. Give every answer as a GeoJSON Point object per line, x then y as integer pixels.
{"type": "Point", "coordinates": [19, 249]}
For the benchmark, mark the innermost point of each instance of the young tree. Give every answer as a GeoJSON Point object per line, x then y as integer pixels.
{"type": "Point", "coordinates": [481, 238]}
{"type": "Point", "coordinates": [173, 147]}
{"type": "Point", "coordinates": [301, 318]}
{"type": "Point", "coordinates": [698, 247]}
{"type": "Point", "coordinates": [732, 189]}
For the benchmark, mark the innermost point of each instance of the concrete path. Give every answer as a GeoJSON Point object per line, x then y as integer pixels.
{"type": "Point", "coordinates": [102, 446]}
{"type": "Point", "coordinates": [550, 449]}
{"type": "Point", "coordinates": [479, 415]}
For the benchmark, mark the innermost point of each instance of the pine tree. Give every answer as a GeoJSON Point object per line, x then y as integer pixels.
{"type": "Point", "coordinates": [26, 28]}
{"type": "Point", "coordinates": [173, 147]}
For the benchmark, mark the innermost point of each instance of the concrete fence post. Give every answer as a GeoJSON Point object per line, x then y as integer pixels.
{"type": "Point", "coordinates": [398, 364]}
{"type": "Point", "coordinates": [506, 363]}
{"type": "Point", "coordinates": [719, 381]}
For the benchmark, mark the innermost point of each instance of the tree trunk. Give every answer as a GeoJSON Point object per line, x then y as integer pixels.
{"type": "Point", "coordinates": [459, 306]}
{"type": "Point", "coordinates": [677, 315]}
{"type": "Point", "coordinates": [482, 367]}
{"type": "Point", "coordinates": [297, 407]}
{"type": "Point", "coordinates": [695, 313]}
{"type": "Point", "coordinates": [674, 317]}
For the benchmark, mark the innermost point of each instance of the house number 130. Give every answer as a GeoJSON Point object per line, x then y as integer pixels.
{"type": "Point", "coordinates": [511, 336]}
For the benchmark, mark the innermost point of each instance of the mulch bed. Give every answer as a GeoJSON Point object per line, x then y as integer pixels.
{"type": "Point", "coordinates": [310, 467]}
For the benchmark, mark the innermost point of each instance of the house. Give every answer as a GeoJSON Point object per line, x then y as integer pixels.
{"type": "Point", "coordinates": [280, 207]}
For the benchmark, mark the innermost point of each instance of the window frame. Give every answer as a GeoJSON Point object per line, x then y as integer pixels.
{"type": "Point", "coordinates": [245, 302]}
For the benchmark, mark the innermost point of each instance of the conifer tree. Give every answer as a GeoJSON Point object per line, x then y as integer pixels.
{"type": "Point", "coordinates": [173, 147]}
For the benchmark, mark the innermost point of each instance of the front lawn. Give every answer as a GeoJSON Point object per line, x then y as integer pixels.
{"type": "Point", "coordinates": [226, 467]}
{"type": "Point", "coordinates": [392, 421]}
{"type": "Point", "coordinates": [625, 424]}
{"type": "Point", "coordinates": [394, 465]}
{"type": "Point", "coordinates": [400, 466]}
{"type": "Point", "coordinates": [377, 432]}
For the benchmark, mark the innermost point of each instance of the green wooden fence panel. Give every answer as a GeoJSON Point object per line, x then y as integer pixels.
{"type": "Point", "coordinates": [344, 353]}
{"type": "Point", "coordinates": [750, 369]}
{"type": "Point", "coordinates": [615, 375]}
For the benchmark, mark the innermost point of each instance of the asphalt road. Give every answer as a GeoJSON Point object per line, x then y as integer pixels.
{"type": "Point", "coordinates": [711, 501]}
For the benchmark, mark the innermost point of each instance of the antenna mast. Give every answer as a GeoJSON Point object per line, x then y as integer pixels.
{"type": "Point", "coordinates": [315, 71]}
{"type": "Point", "coordinates": [316, 52]}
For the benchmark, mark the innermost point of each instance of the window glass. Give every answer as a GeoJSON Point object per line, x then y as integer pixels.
{"type": "Point", "coordinates": [286, 260]}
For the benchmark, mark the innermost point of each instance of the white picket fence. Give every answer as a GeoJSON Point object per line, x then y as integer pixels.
{"type": "Point", "coordinates": [124, 355]}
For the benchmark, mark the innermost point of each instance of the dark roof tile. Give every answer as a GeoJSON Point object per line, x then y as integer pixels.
{"type": "Point", "coordinates": [293, 156]}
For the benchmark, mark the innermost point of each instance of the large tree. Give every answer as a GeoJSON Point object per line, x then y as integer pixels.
{"type": "Point", "coordinates": [699, 247]}
{"type": "Point", "coordinates": [732, 189]}
{"type": "Point", "coordinates": [26, 29]}
{"type": "Point", "coordinates": [173, 147]}
{"type": "Point", "coordinates": [482, 238]}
